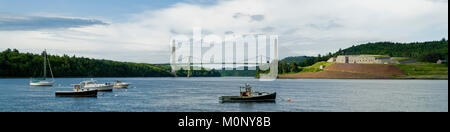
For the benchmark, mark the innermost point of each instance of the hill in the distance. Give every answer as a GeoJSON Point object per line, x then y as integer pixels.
{"type": "Point", "coordinates": [296, 59]}
{"type": "Point", "coordinates": [427, 53]}
{"type": "Point", "coordinates": [424, 51]}
{"type": "Point", "coordinates": [430, 51]}
{"type": "Point", "coordinates": [16, 64]}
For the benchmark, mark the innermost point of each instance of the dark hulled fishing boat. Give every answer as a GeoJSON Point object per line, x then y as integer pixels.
{"type": "Point", "coordinates": [247, 95]}
{"type": "Point", "coordinates": [91, 93]}
{"type": "Point", "coordinates": [78, 92]}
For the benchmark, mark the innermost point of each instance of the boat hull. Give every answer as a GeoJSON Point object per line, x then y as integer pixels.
{"type": "Point", "coordinates": [101, 89]}
{"type": "Point", "coordinates": [90, 93]}
{"type": "Point", "coordinates": [41, 83]}
{"type": "Point", "coordinates": [262, 98]}
{"type": "Point", "coordinates": [121, 85]}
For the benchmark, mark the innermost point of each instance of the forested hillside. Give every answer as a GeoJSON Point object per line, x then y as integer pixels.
{"type": "Point", "coordinates": [430, 51]}
{"type": "Point", "coordinates": [16, 64]}
{"type": "Point", "coordinates": [425, 51]}
{"type": "Point", "coordinates": [296, 59]}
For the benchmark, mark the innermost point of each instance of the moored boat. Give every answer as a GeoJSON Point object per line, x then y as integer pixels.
{"type": "Point", "coordinates": [77, 92]}
{"type": "Point", "coordinates": [93, 85]}
{"type": "Point", "coordinates": [120, 84]}
{"type": "Point", "coordinates": [247, 95]}
{"type": "Point", "coordinates": [43, 81]}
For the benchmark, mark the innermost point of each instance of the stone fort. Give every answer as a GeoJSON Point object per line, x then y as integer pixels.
{"type": "Point", "coordinates": [363, 59]}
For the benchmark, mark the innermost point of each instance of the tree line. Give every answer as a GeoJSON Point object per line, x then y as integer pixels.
{"type": "Point", "coordinates": [16, 64]}
{"type": "Point", "coordinates": [198, 73]}
{"type": "Point", "coordinates": [423, 51]}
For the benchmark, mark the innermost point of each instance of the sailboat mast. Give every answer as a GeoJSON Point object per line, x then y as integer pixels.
{"type": "Point", "coordinates": [50, 67]}
{"type": "Point", "coordinates": [45, 64]}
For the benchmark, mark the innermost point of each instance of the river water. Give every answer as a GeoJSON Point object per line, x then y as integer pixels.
{"type": "Point", "coordinates": [201, 95]}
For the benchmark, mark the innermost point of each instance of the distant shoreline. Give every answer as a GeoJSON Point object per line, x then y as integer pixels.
{"type": "Point", "coordinates": [249, 77]}
{"type": "Point", "coordinates": [128, 77]}
{"type": "Point", "coordinates": [368, 78]}
{"type": "Point", "coordinates": [375, 71]}
{"type": "Point", "coordinates": [299, 76]}
{"type": "Point", "coordinates": [88, 77]}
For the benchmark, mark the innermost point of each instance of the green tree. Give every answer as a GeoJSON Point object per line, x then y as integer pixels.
{"type": "Point", "coordinates": [283, 66]}
{"type": "Point", "coordinates": [293, 67]}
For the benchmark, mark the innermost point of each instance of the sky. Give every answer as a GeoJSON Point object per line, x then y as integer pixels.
{"type": "Point", "coordinates": [140, 30]}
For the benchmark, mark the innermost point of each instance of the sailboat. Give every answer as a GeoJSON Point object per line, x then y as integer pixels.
{"type": "Point", "coordinates": [43, 81]}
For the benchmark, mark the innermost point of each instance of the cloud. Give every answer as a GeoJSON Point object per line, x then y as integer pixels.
{"type": "Point", "coordinates": [305, 27]}
{"type": "Point", "coordinates": [250, 17]}
{"type": "Point", "coordinates": [27, 23]}
{"type": "Point", "coordinates": [443, 1]}
{"type": "Point", "coordinates": [327, 25]}
{"type": "Point", "coordinates": [257, 17]}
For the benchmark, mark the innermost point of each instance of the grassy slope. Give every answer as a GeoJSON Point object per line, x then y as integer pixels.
{"type": "Point", "coordinates": [401, 58]}
{"type": "Point", "coordinates": [316, 67]}
{"type": "Point", "coordinates": [425, 70]}
{"type": "Point", "coordinates": [420, 70]}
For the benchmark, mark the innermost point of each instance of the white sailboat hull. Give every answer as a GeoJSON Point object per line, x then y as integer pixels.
{"type": "Point", "coordinates": [42, 83]}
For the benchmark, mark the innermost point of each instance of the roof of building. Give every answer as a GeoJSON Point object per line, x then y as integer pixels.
{"type": "Point", "coordinates": [376, 56]}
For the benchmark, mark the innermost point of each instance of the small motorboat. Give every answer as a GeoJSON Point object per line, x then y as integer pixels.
{"type": "Point", "coordinates": [120, 84]}
{"type": "Point", "coordinates": [247, 95]}
{"type": "Point", "coordinates": [93, 85]}
{"type": "Point", "coordinates": [77, 92]}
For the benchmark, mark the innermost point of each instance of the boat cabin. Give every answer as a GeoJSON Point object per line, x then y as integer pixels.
{"type": "Point", "coordinates": [92, 82]}
{"type": "Point", "coordinates": [87, 83]}
{"type": "Point", "coordinates": [76, 87]}
{"type": "Point", "coordinates": [246, 91]}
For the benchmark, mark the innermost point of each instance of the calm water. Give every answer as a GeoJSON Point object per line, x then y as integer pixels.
{"type": "Point", "coordinates": [201, 95]}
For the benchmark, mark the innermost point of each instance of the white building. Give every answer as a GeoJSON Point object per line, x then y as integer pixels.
{"type": "Point", "coordinates": [363, 59]}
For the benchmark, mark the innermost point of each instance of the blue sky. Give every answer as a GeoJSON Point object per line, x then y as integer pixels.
{"type": "Point", "coordinates": [140, 30]}
{"type": "Point", "coordinates": [110, 9]}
